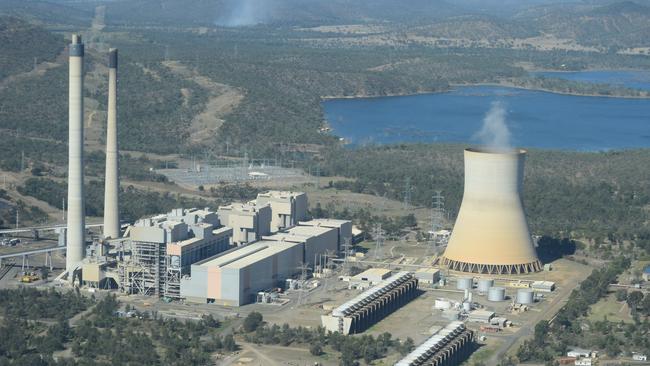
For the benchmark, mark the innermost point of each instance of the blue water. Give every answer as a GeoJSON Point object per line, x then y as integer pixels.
{"type": "Point", "coordinates": [536, 119]}
{"type": "Point", "coordinates": [629, 79]}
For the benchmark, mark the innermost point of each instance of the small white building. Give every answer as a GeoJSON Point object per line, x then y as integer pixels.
{"type": "Point", "coordinates": [580, 353]}
{"type": "Point", "coordinates": [639, 357]}
{"type": "Point", "coordinates": [543, 286]}
{"type": "Point", "coordinates": [583, 362]}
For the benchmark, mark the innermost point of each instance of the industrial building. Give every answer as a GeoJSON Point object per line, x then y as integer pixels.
{"type": "Point", "coordinates": [369, 277]}
{"type": "Point", "coordinates": [491, 232]}
{"type": "Point", "coordinates": [288, 208]}
{"type": "Point", "coordinates": [317, 240]}
{"type": "Point", "coordinates": [163, 247]}
{"type": "Point", "coordinates": [449, 346]}
{"type": "Point", "coordinates": [249, 222]}
{"type": "Point", "coordinates": [543, 286]}
{"type": "Point", "coordinates": [235, 277]}
{"type": "Point", "coordinates": [343, 228]}
{"type": "Point", "coordinates": [427, 275]}
{"type": "Point", "coordinates": [372, 305]}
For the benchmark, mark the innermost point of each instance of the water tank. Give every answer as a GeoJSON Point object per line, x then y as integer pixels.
{"type": "Point", "coordinates": [465, 283]}
{"type": "Point", "coordinates": [484, 285]}
{"type": "Point", "coordinates": [525, 296]}
{"type": "Point", "coordinates": [467, 306]}
{"type": "Point", "coordinates": [496, 294]}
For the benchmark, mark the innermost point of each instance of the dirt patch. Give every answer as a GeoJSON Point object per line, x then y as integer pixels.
{"type": "Point", "coordinates": [222, 100]}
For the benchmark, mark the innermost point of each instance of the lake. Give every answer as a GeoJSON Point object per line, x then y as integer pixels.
{"type": "Point", "coordinates": [535, 119]}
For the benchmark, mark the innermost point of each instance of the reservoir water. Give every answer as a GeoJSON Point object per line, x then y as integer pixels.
{"type": "Point", "coordinates": [535, 119]}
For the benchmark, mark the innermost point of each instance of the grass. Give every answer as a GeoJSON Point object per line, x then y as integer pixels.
{"type": "Point", "coordinates": [610, 308]}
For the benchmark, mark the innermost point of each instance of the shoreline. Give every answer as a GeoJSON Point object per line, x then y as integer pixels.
{"type": "Point", "coordinates": [502, 84]}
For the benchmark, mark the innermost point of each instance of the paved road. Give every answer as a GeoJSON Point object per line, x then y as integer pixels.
{"type": "Point", "coordinates": [561, 297]}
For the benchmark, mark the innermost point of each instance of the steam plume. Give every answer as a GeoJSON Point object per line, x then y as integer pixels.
{"type": "Point", "coordinates": [494, 134]}
{"type": "Point", "coordinates": [239, 13]}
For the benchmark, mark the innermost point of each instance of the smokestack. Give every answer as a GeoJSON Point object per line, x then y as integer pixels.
{"type": "Point", "coordinates": [112, 182]}
{"type": "Point", "coordinates": [76, 209]}
{"type": "Point", "coordinates": [491, 232]}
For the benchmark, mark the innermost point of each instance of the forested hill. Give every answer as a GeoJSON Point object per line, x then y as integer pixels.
{"type": "Point", "coordinates": [619, 24]}
{"type": "Point", "coordinates": [21, 43]}
{"type": "Point", "coordinates": [49, 12]}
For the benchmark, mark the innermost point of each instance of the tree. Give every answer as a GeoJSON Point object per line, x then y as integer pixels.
{"type": "Point", "coordinates": [45, 273]}
{"type": "Point", "coordinates": [645, 305]}
{"type": "Point", "coordinates": [621, 295]}
{"type": "Point", "coordinates": [316, 349]}
{"type": "Point", "coordinates": [252, 322]}
{"type": "Point", "coordinates": [634, 299]}
{"type": "Point", "coordinates": [407, 346]}
{"type": "Point", "coordinates": [229, 343]}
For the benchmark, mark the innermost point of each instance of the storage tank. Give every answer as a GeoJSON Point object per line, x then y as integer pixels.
{"type": "Point", "coordinates": [465, 283]}
{"type": "Point", "coordinates": [525, 296]}
{"type": "Point", "coordinates": [467, 306]}
{"type": "Point", "coordinates": [484, 285]}
{"type": "Point", "coordinates": [491, 232]}
{"type": "Point", "coordinates": [496, 294]}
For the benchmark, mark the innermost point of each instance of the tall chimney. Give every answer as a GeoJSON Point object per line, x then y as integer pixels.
{"type": "Point", "coordinates": [76, 208]}
{"type": "Point", "coordinates": [112, 182]}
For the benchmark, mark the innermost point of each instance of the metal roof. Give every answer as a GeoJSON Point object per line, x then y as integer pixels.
{"type": "Point", "coordinates": [437, 341]}
{"type": "Point", "coordinates": [371, 294]}
{"type": "Point", "coordinates": [248, 255]}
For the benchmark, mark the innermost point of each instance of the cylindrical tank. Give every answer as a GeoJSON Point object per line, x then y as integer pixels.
{"type": "Point", "coordinates": [464, 283]}
{"type": "Point", "coordinates": [467, 306]}
{"type": "Point", "coordinates": [496, 294]}
{"type": "Point", "coordinates": [525, 296]}
{"type": "Point", "coordinates": [484, 285]}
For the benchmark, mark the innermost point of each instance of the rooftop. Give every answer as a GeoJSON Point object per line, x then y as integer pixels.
{"type": "Point", "coordinates": [647, 269]}
{"type": "Point", "coordinates": [247, 255]}
{"type": "Point", "coordinates": [379, 272]}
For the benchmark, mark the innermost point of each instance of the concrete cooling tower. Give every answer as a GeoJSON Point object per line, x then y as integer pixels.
{"type": "Point", "coordinates": [491, 232]}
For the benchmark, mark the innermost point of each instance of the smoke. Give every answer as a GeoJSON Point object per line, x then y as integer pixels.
{"type": "Point", "coordinates": [240, 13]}
{"type": "Point", "coordinates": [494, 134]}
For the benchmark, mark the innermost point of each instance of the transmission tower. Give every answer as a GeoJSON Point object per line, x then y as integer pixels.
{"type": "Point", "coordinates": [303, 267]}
{"type": "Point", "coordinates": [347, 245]}
{"type": "Point", "coordinates": [378, 234]}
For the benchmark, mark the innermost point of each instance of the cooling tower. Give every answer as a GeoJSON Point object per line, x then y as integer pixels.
{"type": "Point", "coordinates": [112, 182]}
{"type": "Point", "coordinates": [76, 209]}
{"type": "Point", "coordinates": [491, 233]}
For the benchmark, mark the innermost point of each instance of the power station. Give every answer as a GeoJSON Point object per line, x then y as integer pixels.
{"type": "Point", "coordinates": [491, 232]}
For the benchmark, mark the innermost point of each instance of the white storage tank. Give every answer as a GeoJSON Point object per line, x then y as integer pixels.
{"type": "Point", "coordinates": [465, 283]}
{"type": "Point", "coordinates": [525, 296]}
{"type": "Point", "coordinates": [496, 294]}
{"type": "Point", "coordinates": [484, 285]}
{"type": "Point", "coordinates": [467, 306]}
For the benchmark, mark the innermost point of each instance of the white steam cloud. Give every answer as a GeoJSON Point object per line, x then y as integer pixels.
{"type": "Point", "coordinates": [240, 13]}
{"type": "Point", "coordinates": [494, 134]}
